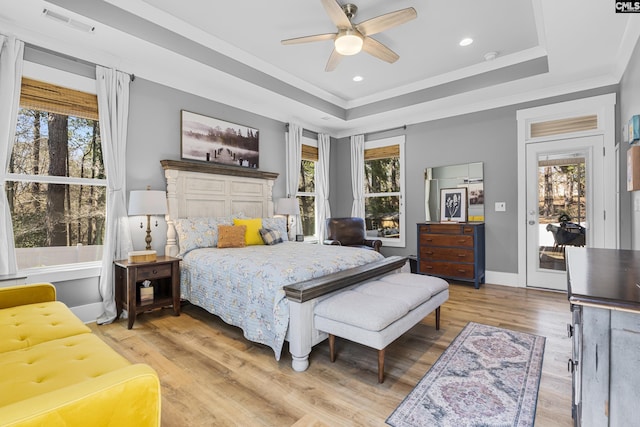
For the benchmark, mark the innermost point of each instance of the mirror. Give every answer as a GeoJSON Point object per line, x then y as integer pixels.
{"type": "Point", "coordinates": [469, 175]}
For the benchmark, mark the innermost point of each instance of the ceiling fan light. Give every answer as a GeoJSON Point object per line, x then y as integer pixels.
{"type": "Point", "coordinates": [348, 43]}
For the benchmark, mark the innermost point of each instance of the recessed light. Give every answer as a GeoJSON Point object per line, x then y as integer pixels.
{"type": "Point", "coordinates": [358, 78]}
{"type": "Point", "coordinates": [466, 42]}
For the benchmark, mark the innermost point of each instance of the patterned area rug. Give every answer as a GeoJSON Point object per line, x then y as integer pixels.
{"type": "Point", "coordinates": [488, 376]}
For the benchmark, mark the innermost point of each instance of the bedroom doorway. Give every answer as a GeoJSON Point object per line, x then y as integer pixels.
{"type": "Point", "coordinates": [565, 201]}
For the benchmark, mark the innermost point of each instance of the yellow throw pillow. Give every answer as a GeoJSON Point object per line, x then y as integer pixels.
{"type": "Point", "coordinates": [253, 230]}
{"type": "Point", "coordinates": [231, 236]}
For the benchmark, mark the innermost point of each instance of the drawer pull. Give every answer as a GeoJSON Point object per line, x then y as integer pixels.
{"type": "Point", "coordinates": [461, 270]}
{"type": "Point", "coordinates": [155, 271]}
{"type": "Point", "coordinates": [571, 365]}
{"type": "Point", "coordinates": [461, 255]}
{"type": "Point", "coordinates": [569, 330]}
{"type": "Point", "coordinates": [429, 267]}
{"type": "Point", "coordinates": [461, 241]}
{"type": "Point", "coordinates": [429, 253]}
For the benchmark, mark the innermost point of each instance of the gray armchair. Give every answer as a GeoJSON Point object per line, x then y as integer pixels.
{"type": "Point", "coordinates": [350, 232]}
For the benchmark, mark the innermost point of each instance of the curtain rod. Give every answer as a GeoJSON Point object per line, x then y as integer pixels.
{"type": "Point", "coordinates": [403, 127]}
{"type": "Point", "coordinates": [286, 127]}
{"type": "Point", "coordinates": [71, 58]}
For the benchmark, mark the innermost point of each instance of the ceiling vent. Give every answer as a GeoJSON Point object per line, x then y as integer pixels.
{"type": "Point", "coordinates": [73, 23]}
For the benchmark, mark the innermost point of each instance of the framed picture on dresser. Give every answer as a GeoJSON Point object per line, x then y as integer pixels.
{"type": "Point", "coordinates": [453, 204]}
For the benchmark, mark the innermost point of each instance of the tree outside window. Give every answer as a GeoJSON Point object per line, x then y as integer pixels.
{"type": "Point", "coordinates": [383, 191]}
{"type": "Point", "coordinates": [307, 197]}
{"type": "Point", "coordinates": [56, 186]}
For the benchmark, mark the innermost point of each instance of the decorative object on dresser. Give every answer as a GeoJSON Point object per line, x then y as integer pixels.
{"type": "Point", "coordinates": [147, 202]}
{"type": "Point", "coordinates": [487, 376]}
{"type": "Point", "coordinates": [604, 297]}
{"type": "Point", "coordinates": [212, 140]}
{"type": "Point", "coordinates": [452, 251]}
{"type": "Point", "coordinates": [453, 204]}
{"type": "Point", "coordinates": [131, 279]}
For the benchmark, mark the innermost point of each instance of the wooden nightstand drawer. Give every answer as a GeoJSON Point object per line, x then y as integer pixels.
{"type": "Point", "coordinates": [153, 271]}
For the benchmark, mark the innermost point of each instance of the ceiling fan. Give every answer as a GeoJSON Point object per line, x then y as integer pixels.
{"type": "Point", "coordinates": [352, 38]}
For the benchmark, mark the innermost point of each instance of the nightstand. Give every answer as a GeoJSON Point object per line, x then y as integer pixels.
{"type": "Point", "coordinates": [164, 275]}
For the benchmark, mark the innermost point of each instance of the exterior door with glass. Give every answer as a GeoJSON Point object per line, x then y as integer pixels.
{"type": "Point", "coordinates": [565, 205]}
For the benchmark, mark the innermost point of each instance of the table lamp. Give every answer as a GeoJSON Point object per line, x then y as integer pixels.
{"type": "Point", "coordinates": [288, 206]}
{"type": "Point", "coordinates": [147, 202]}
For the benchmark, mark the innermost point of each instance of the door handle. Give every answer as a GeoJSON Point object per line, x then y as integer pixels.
{"type": "Point", "coordinates": [532, 222]}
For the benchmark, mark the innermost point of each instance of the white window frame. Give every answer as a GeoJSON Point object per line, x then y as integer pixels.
{"type": "Point", "coordinates": [81, 83]}
{"type": "Point", "coordinates": [313, 143]}
{"type": "Point", "coordinates": [400, 141]}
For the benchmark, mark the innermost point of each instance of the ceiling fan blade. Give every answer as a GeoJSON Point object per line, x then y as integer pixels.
{"type": "Point", "coordinates": [309, 39]}
{"type": "Point", "coordinates": [336, 14]}
{"type": "Point", "coordinates": [380, 51]}
{"type": "Point", "coordinates": [384, 22]}
{"type": "Point", "coordinates": [333, 61]}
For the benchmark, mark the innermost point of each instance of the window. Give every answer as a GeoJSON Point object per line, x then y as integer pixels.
{"type": "Point", "coordinates": [384, 190]}
{"type": "Point", "coordinates": [56, 184]}
{"type": "Point", "coordinates": [307, 187]}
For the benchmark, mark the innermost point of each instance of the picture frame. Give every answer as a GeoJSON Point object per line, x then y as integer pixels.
{"type": "Point", "coordinates": [453, 204]}
{"type": "Point", "coordinates": [208, 139]}
{"type": "Point", "coordinates": [634, 129]}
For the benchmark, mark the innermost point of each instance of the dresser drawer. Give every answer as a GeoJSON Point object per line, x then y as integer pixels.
{"type": "Point", "coordinates": [433, 253]}
{"type": "Point", "coordinates": [462, 271]}
{"type": "Point", "coordinates": [446, 240]}
{"type": "Point", "coordinates": [153, 272]}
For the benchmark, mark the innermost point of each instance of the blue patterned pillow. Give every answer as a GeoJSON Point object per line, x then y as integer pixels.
{"type": "Point", "coordinates": [200, 232]}
{"type": "Point", "coordinates": [279, 224]}
{"type": "Point", "coordinates": [270, 237]}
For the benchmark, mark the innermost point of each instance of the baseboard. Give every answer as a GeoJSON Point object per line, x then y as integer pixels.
{"type": "Point", "coordinates": [501, 278]}
{"type": "Point", "coordinates": [88, 313]}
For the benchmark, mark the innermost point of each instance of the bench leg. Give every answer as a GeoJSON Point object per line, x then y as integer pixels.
{"type": "Point", "coordinates": [332, 347]}
{"type": "Point", "coordinates": [438, 319]}
{"type": "Point", "coordinates": [381, 366]}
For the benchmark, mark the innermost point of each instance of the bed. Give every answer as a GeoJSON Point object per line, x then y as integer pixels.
{"type": "Point", "coordinates": [267, 291]}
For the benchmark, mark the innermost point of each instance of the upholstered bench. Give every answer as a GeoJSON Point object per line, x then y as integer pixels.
{"type": "Point", "coordinates": [376, 313]}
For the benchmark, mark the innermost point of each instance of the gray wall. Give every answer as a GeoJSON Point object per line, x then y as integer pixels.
{"type": "Point", "coordinates": [629, 104]}
{"type": "Point", "coordinates": [154, 135]}
{"type": "Point", "coordinates": [488, 136]}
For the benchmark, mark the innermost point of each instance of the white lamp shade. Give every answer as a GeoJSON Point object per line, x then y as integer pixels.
{"type": "Point", "coordinates": [147, 202]}
{"type": "Point", "coordinates": [289, 206]}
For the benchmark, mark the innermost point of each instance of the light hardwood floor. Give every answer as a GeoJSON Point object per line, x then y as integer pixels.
{"type": "Point", "coordinates": [212, 376]}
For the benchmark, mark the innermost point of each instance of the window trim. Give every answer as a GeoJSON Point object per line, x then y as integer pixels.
{"type": "Point", "coordinates": [312, 143]}
{"type": "Point", "coordinates": [378, 143]}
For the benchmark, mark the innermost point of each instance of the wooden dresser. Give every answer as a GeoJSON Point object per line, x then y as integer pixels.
{"type": "Point", "coordinates": [452, 251]}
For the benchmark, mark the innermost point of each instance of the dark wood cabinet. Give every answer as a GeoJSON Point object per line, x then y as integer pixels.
{"type": "Point", "coordinates": [164, 275]}
{"type": "Point", "coordinates": [452, 251]}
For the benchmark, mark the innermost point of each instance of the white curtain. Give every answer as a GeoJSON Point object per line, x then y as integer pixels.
{"type": "Point", "coordinates": [427, 193]}
{"type": "Point", "coordinates": [113, 109]}
{"type": "Point", "coordinates": [293, 160]}
{"type": "Point", "coordinates": [357, 175]}
{"type": "Point", "coordinates": [11, 56]}
{"type": "Point", "coordinates": [322, 184]}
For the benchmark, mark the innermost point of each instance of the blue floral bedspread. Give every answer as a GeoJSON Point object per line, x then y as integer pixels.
{"type": "Point", "coordinates": [243, 286]}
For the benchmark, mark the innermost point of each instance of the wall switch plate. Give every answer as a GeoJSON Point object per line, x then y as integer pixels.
{"type": "Point", "coordinates": [501, 206]}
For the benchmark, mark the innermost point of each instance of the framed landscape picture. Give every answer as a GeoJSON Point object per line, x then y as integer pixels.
{"type": "Point", "coordinates": [453, 204]}
{"type": "Point", "coordinates": [213, 140]}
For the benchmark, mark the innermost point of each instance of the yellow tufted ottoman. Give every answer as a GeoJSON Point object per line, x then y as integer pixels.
{"type": "Point", "coordinates": [53, 371]}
